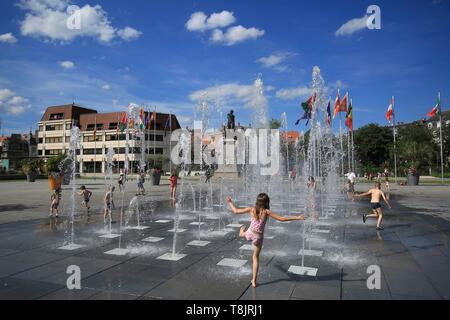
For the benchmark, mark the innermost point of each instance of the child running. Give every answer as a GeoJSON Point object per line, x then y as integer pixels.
{"type": "Point", "coordinates": [173, 185]}
{"type": "Point", "coordinates": [86, 194]}
{"type": "Point", "coordinates": [121, 182]}
{"type": "Point", "coordinates": [109, 205]}
{"type": "Point", "coordinates": [54, 199]}
{"type": "Point", "coordinates": [376, 195]}
{"type": "Point", "coordinates": [255, 233]}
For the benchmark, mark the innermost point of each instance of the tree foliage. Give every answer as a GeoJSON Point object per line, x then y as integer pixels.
{"type": "Point", "coordinates": [373, 145]}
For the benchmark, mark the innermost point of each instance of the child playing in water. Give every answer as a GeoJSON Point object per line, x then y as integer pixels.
{"type": "Point", "coordinates": [86, 194]}
{"type": "Point", "coordinates": [109, 205]}
{"type": "Point", "coordinates": [173, 185]}
{"type": "Point", "coordinates": [54, 199]}
{"type": "Point", "coordinates": [121, 182]}
{"type": "Point", "coordinates": [376, 195]}
{"type": "Point", "coordinates": [255, 233]}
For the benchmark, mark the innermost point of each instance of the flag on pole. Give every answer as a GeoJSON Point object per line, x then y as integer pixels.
{"type": "Point", "coordinates": [166, 126]}
{"type": "Point", "coordinates": [307, 109]}
{"type": "Point", "coordinates": [437, 108]}
{"type": "Point", "coordinates": [141, 114]}
{"type": "Point", "coordinates": [337, 104]}
{"type": "Point", "coordinates": [131, 123]}
{"type": "Point", "coordinates": [390, 111]}
{"type": "Point", "coordinates": [123, 122]}
{"type": "Point", "coordinates": [349, 117]}
{"type": "Point", "coordinates": [147, 120]}
{"type": "Point", "coordinates": [343, 105]}
{"type": "Point", "coordinates": [329, 113]}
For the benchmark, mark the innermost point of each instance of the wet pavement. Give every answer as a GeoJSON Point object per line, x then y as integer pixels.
{"type": "Point", "coordinates": [413, 254]}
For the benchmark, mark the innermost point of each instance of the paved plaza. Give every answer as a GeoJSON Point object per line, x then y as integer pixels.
{"type": "Point", "coordinates": [211, 262]}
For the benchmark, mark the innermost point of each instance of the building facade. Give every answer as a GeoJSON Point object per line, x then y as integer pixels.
{"type": "Point", "coordinates": [98, 133]}
{"type": "Point", "coordinates": [14, 149]}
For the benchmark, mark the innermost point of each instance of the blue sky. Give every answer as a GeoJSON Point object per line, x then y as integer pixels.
{"type": "Point", "coordinates": [166, 53]}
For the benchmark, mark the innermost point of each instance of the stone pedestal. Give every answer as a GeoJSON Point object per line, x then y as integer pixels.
{"type": "Point", "coordinates": [229, 168]}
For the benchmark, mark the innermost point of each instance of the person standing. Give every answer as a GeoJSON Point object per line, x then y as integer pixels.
{"type": "Point", "coordinates": [386, 178]}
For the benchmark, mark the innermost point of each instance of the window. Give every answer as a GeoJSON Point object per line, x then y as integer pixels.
{"type": "Point", "coordinates": [158, 151]}
{"type": "Point", "coordinates": [68, 126]}
{"type": "Point", "coordinates": [113, 126]}
{"type": "Point", "coordinates": [40, 140]}
{"type": "Point", "coordinates": [39, 152]}
{"type": "Point", "coordinates": [92, 151]}
{"type": "Point", "coordinates": [56, 116]}
{"type": "Point", "coordinates": [54, 127]}
{"type": "Point", "coordinates": [52, 152]}
{"type": "Point", "coordinates": [91, 138]}
{"type": "Point", "coordinates": [152, 137]}
{"type": "Point", "coordinates": [67, 139]}
{"type": "Point", "coordinates": [91, 127]}
{"type": "Point", "coordinates": [54, 140]}
{"type": "Point", "coordinates": [41, 128]}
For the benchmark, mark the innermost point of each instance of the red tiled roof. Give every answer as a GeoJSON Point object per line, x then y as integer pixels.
{"type": "Point", "coordinates": [69, 112]}
{"type": "Point", "coordinates": [114, 117]}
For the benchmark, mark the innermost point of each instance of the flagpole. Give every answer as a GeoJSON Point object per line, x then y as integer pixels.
{"type": "Point", "coordinates": [154, 140]}
{"type": "Point", "coordinates": [170, 143]}
{"type": "Point", "coordinates": [95, 150]}
{"type": "Point", "coordinates": [395, 139]}
{"type": "Point", "coordinates": [440, 134]}
{"type": "Point", "coordinates": [342, 146]}
{"type": "Point", "coordinates": [148, 137]}
{"type": "Point", "coordinates": [352, 144]}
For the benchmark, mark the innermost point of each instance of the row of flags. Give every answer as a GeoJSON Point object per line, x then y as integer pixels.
{"type": "Point", "coordinates": [346, 105]}
{"type": "Point", "coordinates": [434, 112]}
{"type": "Point", "coordinates": [144, 121]}
{"type": "Point", "coordinates": [339, 106]}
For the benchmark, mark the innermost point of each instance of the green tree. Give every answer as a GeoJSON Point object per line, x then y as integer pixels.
{"type": "Point", "coordinates": [416, 148]}
{"type": "Point", "coordinates": [373, 145]}
{"type": "Point", "coordinates": [274, 124]}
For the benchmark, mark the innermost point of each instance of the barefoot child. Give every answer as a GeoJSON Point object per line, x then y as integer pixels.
{"type": "Point", "coordinates": [109, 205]}
{"type": "Point", "coordinates": [54, 199]}
{"type": "Point", "coordinates": [173, 185]}
{"type": "Point", "coordinates": [86, 195]}
{"type": "Point", "coordinates": [255, 233]}
{"type": "Point", "coordinates": [376, 195]}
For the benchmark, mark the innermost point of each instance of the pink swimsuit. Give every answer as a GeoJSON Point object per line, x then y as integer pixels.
{"type": "Point", "coordinates": [255, 233]}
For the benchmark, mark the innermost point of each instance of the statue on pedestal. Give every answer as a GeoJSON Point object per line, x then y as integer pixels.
{"type": "Point", "coordinates": [231, 121]}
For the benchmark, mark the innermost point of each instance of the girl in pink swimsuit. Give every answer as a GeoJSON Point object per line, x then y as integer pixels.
{"type": "Point", "coordinates": [255, 233]}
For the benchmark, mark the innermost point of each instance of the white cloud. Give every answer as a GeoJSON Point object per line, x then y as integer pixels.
{"type": "Point", "coordinates": [106, 87]}
{"type": "Point", "coordinates": [220, 20]}
{"type": "Point", "coordinates": [199, 21]}
{"type": "Point", "coordinates": [352, 26]}
{"type": "Point", "coordinates": [129, 34]}
{"type": "Point", "coordinates": [275, 61]}
{"type": "Point", "coordinates": [48, 19]}
{"type": "Point", "coordinates": [67, 64]}
{"type": "Point", "coordinates": [8, 38]}
{"type": "Point", "coordinates": [235, 35]}
{"type": "Point", "coordinates": [230, 94]}
{"type": "Point", "coordinates": [293, 93]}
{"type": "Point", "coordinates": [12, 103]}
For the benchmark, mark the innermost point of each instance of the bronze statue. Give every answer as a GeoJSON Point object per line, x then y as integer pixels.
{"type": "Point", "coordinates": [231, 121]}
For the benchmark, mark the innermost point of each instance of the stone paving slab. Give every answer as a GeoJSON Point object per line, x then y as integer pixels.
{"type": "Point", "coordinates": [413, 254]}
